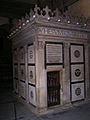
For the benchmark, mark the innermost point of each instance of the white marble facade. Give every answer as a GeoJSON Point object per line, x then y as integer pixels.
{"type": "Point", "coordinates": [78, 91]}
{"type": "Point", "coordinates": [50, 55]}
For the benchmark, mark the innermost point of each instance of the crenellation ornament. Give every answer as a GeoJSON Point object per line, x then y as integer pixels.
{"type": "Point", "coordinates": [51, 16]}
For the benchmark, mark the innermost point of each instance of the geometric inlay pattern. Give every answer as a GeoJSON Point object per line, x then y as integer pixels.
{"type": "Point", "coordinates": [77, 53]}
{"type": "Point", "coordinates": [78, 91]}
{"type": "Point", "coordinates": [77, 72]}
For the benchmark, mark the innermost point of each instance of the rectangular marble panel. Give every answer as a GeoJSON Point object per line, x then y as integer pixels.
{"type": "Point", "coordinates": [22, 72]}
{"type": "Point", "coordinates": [31, 74]}
{"type": "Point", "coordinates": [15, 56]}
{"type": "Point", "coordinates": [16, 85]}
{"type": "Point", "coordinates": [76, 53]}
{"type": "Point", "coordinates": [77, 91]}
{"type": "Point", "coordinates": [22, 89]}
{"type": "Point", "coordinates": [22, 55]}
{"type": "Point", "coordinates": [31, 54]}
{"type": "Point", "coordinates": [54, 53]}
{"type": "Point", "coordinates": [32, 95]}
{"type": "Point", "coordinates": [16, 71]}
{"type": "Point", "coordinates": [77, 72]}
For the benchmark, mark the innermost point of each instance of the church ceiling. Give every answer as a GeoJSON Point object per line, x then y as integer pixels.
{"type": "Point", "coordinates": [17, 8]}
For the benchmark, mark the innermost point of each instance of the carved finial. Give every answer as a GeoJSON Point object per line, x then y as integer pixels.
{"type": "Point", "coordinates": [20, 22]}
{"type": "Point", "coordinates": [77, 20]}
{"type": "Point", "coordinates": [67, 16]}
{"type": "Point", "coordinates": [36, 9]}
{"type": "Point", "coordinates": [23, 21]}
{"type": "Point", "coordinates": [41, 13]}
{"type": "Point", "coordinates": [57, 12]}
{"type": "Point", "coordinates": [27, 16]}
{"type": "Point", "coordinates": [31, 13]}
{"type": "Point", "coordinates": [47, 10]}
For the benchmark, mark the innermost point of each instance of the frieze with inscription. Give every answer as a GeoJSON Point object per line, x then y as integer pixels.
{"type": "Point", "coordinates": [61, 32]}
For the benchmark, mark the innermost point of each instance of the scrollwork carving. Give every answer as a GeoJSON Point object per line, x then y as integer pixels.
{"type": "Point", "coordinates": [41, 44]}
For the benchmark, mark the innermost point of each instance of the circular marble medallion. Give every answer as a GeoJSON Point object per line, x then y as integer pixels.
{"type": "Point", "coordinates": [31, 74]}
{"type": "Point", "coordinates": [77, 53]}
{"type": "Point", "coordinates": [31, 54]}
{"type": "Point", "coordinates": [78, 91]}
{"type": "Point", "coordinates": [77, 72]}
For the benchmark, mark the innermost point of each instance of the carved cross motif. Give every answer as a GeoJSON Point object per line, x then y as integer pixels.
{"type": "Point", "coordinates": [36, 10]}
{"type": "Point", "coordinates": [47, 10]}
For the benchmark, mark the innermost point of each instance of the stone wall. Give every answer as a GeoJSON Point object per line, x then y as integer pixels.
{"type": "Point", "coordinates": [82, 7]}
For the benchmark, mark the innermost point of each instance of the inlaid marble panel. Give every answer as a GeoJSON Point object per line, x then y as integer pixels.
{"type": "Point", "coordinates": [22, 72]}
{"type": "Point", "coordinates": [77, 72]}
{"type": "Point", "coordinates": [76, 53]}
{"type": "Point", "coordinates": [32, 95]}
{"type": "Point", "coordinates": [77, 91]}
{"type": "Point", "coordinates": [16, 85]}
{"type": "Point", "coordinates": [31, 54]}
{"type": "Point", "coordinates": [54, 53]}
{"type": "Point", "coordinates": [22, 55]}
{"type": "Point", "coordinates": [22, 89]}
{"type": "Point", "coordinates": [15, 71]}
{"type": "Point", "coordinates": [15, 56]}
{"type": "Point", "coordinates": [31, 74]}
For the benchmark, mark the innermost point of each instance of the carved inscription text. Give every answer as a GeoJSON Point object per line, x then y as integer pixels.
{"type": "Point", "coordinates": [61, 32]}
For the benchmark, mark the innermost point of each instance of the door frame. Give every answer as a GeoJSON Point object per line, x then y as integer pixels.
{"type": "Point", "coordinates": [58, 71]}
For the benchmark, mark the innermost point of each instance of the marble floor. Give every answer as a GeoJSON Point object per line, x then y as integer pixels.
{"type": "Point", "coordinates": [11, 109]}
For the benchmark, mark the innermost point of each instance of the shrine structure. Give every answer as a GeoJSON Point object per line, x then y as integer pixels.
{"type": "Point", "coordinates": [50, 59]}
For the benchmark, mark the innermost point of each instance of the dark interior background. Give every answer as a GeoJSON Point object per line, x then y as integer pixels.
{"type": "Point", "coordinates": [12, 9]}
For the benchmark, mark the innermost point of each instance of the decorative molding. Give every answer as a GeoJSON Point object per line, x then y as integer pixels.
{"type": "Point", "coordinates": [41, 44]}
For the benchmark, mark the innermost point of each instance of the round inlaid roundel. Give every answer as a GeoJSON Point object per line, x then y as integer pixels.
{"type": "Point", "coordinates": [77, 53]}
{"type": "Point", "coordinates": [77, 72]}
{"type": "Point", "coordinates": [78, 91]}
{"type": "Point", "coordinates": [31, 74]}
{"type": "Point", "coordinates": [31, 54]}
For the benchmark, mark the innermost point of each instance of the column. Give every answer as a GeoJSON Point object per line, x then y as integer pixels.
{"type": "Point", "coordinates": [41, 81]}
{"type": "Point", "coordinates": [65, 83]}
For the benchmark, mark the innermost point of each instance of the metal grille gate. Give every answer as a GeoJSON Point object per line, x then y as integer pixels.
{"type": "Point", "coordinates": [53, 86]}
